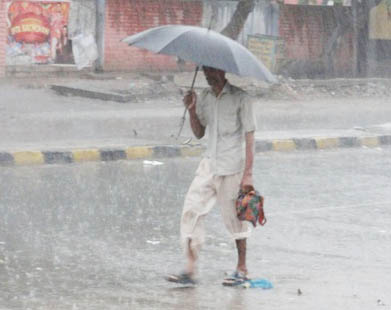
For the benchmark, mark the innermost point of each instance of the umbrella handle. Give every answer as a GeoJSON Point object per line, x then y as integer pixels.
{"type": "Point", "coordinates": [194, 78]}
{"type": "Point", "coordinates": [184, 113]}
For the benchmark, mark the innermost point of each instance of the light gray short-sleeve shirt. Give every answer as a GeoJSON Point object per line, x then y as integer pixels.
{"type": "Point", "coordinates": [227, 118]}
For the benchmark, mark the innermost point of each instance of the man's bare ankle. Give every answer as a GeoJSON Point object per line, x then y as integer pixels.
{"type": "Point", "coordinates": [190, 269]}
{"type": "Point", "coordinates": [242, 270]}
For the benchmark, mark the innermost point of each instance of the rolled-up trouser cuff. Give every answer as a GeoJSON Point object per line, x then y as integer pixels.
{"type": "Point", "coordinates": [242, 235]}
{"type": "Point", "coordinates": [195, 244]}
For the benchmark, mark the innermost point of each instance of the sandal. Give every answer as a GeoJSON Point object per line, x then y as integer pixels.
{"type": "Point", "coordinates": [235, 279]}
{"type": "Point", "coordinates": [182, 278]}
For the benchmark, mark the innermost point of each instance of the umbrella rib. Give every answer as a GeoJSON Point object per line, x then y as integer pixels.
{"type": "Point", "coordinates": [171, 42]}
{"type": "Point", "coordinates": [234, 59]}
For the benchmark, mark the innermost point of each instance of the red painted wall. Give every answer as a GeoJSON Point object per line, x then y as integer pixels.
{"type": "Point", "coordinates": [3, 37]}
{"type": "Point", "coordinates": [126, 17]}
{"type": "Point", "coordinates": [306, 29]}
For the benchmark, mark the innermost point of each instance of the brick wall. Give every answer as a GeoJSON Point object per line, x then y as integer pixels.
{"type": "Point", "coordinates": [3, 37]}
{"type": "Point", "coordinates": [306, 29]}
{"type": "Point", "coordinates": [126, 17]}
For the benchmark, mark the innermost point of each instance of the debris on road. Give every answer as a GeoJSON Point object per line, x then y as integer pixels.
{"type": "Point", "coordinates": [152, 163]}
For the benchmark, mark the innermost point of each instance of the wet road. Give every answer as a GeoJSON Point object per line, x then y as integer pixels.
{"type": "Point", "coordinates": [103, 235]}
{"type": "Point", "coordinates": [56, 121]}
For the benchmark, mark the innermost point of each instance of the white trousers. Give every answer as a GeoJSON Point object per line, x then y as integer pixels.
{"type": "Point", "coordinates": [204, 193]}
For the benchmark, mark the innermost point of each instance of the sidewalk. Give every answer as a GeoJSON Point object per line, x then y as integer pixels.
{"type": "Point", "coordinates": [132, 116]}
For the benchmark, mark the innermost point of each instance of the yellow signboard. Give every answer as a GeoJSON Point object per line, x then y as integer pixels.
{"type": "Point", "coordinates": [380, 22]}
{"type": "Point", "coordinates": [268, 49]}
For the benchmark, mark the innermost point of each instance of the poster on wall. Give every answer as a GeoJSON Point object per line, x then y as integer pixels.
{"type": "Point", "coordinates": [38, 32]}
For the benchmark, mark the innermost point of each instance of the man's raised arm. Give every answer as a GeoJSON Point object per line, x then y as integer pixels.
{"type": "Point", "coordinates": [190, 101]}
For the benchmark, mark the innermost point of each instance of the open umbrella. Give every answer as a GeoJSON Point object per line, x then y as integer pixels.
{"type": "Point", "coordinates": [204, 47]}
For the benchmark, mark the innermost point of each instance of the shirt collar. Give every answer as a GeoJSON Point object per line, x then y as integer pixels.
{"type": "Point", "coordinates": [226, 89]}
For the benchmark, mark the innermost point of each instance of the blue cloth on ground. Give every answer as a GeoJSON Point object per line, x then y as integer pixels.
{"type": "Point", "coordinates": [259, 283]}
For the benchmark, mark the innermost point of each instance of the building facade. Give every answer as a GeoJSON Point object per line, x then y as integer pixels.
{"type": "Point", "coordinates": [304, 27]}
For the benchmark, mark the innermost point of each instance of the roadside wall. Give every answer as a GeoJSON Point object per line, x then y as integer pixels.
{"type": "Point", "coordinates": [126, 17]}
{"type": "Point", "coordinates": [3, 38]}
{"type": "Point", "coordinates": [305, 30]}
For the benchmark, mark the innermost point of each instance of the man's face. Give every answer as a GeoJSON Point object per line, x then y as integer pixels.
{"type": "Point", "coordinates": [214, 76]}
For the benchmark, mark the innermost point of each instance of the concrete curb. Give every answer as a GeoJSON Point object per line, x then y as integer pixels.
{"type": "Point", "coordinates": [108, 95]}
{"type": "Point", "coordinates": [321, 143]}
{"type": "Point", "coordinates": [26, 158]}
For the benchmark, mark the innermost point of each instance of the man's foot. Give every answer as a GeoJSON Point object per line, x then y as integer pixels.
{"type": "Point", "coordinates": [182, 278]}
{"type": "Point", "coordinates": [236, 278]}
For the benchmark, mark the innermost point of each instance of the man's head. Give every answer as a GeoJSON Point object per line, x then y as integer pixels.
{"type": "Point", "coordinates": [215, 77]}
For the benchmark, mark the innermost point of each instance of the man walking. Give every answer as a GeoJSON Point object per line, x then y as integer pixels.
{"type": "Point", "coordinates": [226, 112]}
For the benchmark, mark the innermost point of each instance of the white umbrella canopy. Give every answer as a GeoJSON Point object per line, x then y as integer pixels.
{"type": "Point", "coordinates": [203, 47]}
